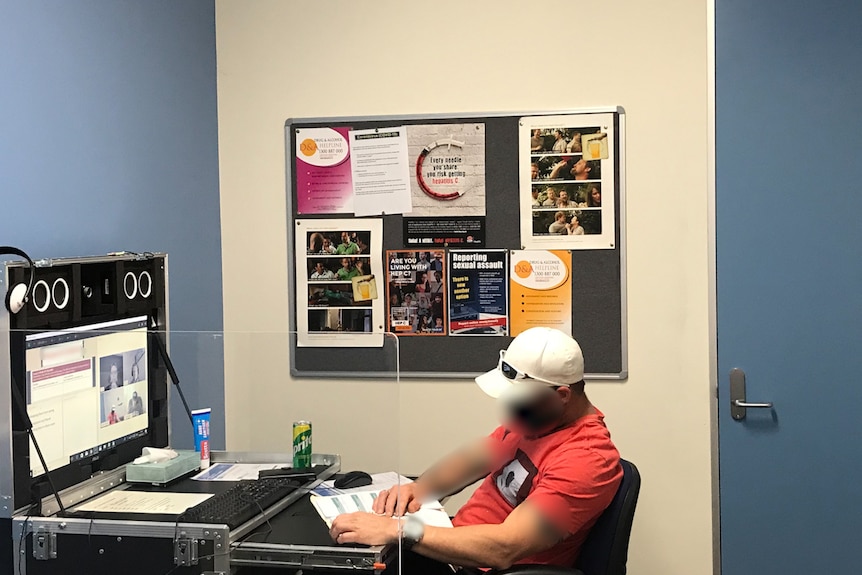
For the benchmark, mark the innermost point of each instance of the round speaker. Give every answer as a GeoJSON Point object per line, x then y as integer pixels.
{"type": "Point", "coordinates": [42, 292]}
{"type": "Point", "coordinates": [145, 284]}
{"type": "Point", "coordinates": [130, 285]}
{"type": "Point", "coordinates": [65, 289]}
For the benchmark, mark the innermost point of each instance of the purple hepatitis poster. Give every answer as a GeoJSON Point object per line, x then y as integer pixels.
{"type": "Point", "coordinates": [323, 178]}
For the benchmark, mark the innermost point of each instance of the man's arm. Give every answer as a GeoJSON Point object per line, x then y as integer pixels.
{"type": "Point", "coordinates": [446, 477]}
{"type": "Point", "coordinates": [458, 469]}
{"type": "Point", "coordinates": [525, 532]}
{"type": "Point", "coordinates": [557, 169]}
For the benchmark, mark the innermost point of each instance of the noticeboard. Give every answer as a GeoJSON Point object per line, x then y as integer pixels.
{"type": "Point", "coordinates": [456, 233]}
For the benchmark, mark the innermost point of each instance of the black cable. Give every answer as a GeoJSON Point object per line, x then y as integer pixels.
{"type": "Point", "coordinates": [90, 531]}
{"type": "Point", "coordinates": [22, 556]}
{"type": "Point", "coordinates": [28, 423]}
{"type": "Point", "coordinates": [270, 528]}
{"type": "Point", "coordinates": [175, 379]}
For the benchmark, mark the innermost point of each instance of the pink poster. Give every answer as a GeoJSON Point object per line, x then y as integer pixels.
{"type": "Point", "coordinates": [323, 178]}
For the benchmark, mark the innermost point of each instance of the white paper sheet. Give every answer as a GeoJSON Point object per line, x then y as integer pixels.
{"type": "Point", "coordinates": [155, 502]}
{"type": "Point", "coordinates": [235, 471]}
{"type": "Point", "coordinates": [331, 502]}
{"type": "Point", "coordinates": [381, 173]}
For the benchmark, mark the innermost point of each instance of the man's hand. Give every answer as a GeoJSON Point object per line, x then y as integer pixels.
{"type": "Point", "coordinates": [557, 169]}
{"type": "Point", "coordinates": [364, 528]}
{"type": "Point", "coordinates": [399, 500]}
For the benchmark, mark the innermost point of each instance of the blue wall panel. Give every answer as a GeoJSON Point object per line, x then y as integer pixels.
{"type": "Point", "coordinates": [108, 142]}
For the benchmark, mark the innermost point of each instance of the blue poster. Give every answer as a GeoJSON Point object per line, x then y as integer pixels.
{"type": "Point", "coordinates": [478, 292]}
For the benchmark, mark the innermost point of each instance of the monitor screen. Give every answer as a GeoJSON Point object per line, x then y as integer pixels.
{"type": "Point", "coordinates": [86, 390]}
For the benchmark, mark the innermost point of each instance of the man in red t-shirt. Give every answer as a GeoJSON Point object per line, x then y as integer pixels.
{"type": "Point", "coordinates": [549, 472]}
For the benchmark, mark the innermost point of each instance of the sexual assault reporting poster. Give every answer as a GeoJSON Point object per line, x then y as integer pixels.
{"type": "Point", "coordinates": [478, 292]}
{"type": "Point", "coordinates": [541, 287]}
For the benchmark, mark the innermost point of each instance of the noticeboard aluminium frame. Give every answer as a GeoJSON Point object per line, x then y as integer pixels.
{"type": "Point", "coordinates": [621, 224]}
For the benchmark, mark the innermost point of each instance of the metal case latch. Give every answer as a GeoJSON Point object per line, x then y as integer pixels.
{"type": "Point", "coordinates": [44, 545]}
{"type": "Point", "coordinates": [185, 551]}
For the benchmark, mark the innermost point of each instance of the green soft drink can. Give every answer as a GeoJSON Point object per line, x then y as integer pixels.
{"type": "Point", "coordinates": [301, 444]}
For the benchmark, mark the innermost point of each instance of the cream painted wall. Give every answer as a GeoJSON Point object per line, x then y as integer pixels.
{"type": "Point", "coordinates": [280, 59]}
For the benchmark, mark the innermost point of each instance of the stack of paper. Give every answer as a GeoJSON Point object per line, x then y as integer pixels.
{"type": "Point", "coordinates": [331, 502]}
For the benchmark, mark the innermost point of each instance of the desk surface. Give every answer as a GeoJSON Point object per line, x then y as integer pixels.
{"type": "Point", "coordinates": [294, 537]}
{"type": "Point", "coordinates": [298, 524]}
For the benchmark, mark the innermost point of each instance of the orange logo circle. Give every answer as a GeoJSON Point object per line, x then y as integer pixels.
{"type": "Point", "coordinates": [308, 147]}
{"type": "Point", "coordinates": [523, 269]}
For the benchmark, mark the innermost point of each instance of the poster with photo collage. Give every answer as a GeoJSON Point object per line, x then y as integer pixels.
{"type": "Point", "coordinates": [337, 267]}
{"type": "Point", "coordinates": [567, 179]}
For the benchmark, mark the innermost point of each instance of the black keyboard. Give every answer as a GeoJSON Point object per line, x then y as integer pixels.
{"type": "Point", "coordinates": [241, 502]}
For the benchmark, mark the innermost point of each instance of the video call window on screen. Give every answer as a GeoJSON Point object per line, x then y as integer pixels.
{"type": "Point", "coordinates": [86, 390]}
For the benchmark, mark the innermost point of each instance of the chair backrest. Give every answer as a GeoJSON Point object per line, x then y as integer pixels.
{"type": "Point", "coordinates": [606, 548]}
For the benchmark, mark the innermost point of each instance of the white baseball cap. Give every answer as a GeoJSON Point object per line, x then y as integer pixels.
{"type": "Point", "coordinates": [537, 358]}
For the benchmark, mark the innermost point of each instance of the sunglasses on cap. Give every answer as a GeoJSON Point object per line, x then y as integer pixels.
{"type": "Point", "coordinates": [508, 370]}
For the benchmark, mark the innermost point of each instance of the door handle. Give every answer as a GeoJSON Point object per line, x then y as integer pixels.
{"type": "Point", "coordinates": [750, 405]}
{"type": "Point", "coordinates": [738, 405]}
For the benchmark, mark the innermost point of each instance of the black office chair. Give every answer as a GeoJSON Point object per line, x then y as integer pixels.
{"type": "Point", "coordinates": [606, 548]}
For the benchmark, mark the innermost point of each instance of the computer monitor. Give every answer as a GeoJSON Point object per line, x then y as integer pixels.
{"type": "Point", "coordinates": [86, 390]}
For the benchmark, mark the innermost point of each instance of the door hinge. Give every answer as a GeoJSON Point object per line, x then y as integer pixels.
{"type": "Point", "coordinates": [185, 551]}
{"type": "Point", "coordinates": [44, 545]}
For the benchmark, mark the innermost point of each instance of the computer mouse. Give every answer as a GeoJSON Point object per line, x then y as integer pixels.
{"type": "Point", "coordinates": [353, 479]}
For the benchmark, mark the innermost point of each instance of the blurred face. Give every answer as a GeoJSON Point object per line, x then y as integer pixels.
{"type": "Point", "coordinates": [552, 193]}
{"type": "Point", "coordinates": [319, 268]}
{"type": "Point", "coordinates": [345, 237]}
{"type": "Point", "coordinates": [534, 171]}
{"type": "Point", "coordinates": [575, 221]}
{"type": "Point", "coordinates": [596, 195]}
{"type": "Point", "coordinates": [360, 264]}
{"type": "Point", "coordinates": [112, 377]}
{"type": "Point", "coordinates": [540, 413]}
{"type": "Point", "coordinates": [564, 196]}
{"type": "Point", "coordinates": [345, 263]}
{"type": "Point", "coordinates": [326, 242]}
{"type": "Point", "coordinates": [558, 134]}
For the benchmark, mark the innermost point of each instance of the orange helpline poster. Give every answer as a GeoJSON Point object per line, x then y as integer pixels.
{"type": "Point", "coordinates": [540, 285]}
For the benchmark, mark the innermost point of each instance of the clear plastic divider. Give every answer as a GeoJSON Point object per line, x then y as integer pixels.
{"type": "Point", "coordinates": [99, 394]}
